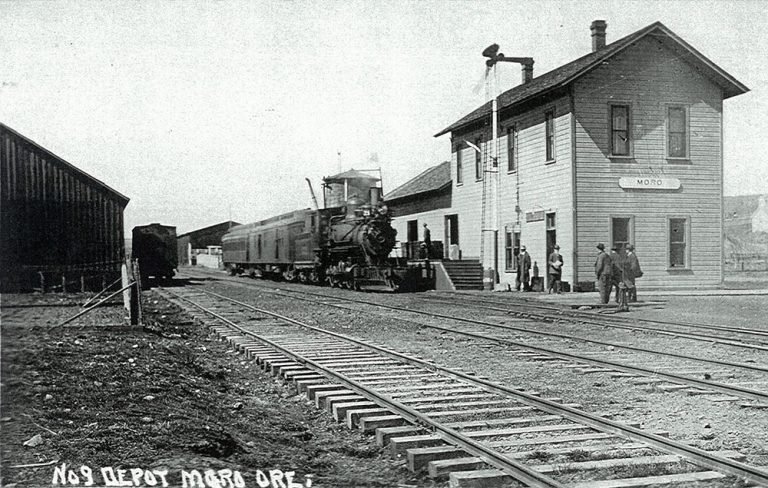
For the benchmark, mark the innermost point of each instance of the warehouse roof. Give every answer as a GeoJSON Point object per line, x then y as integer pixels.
{"type": "Point", "coordinates": [228, 224]}
{"type": "Point", "coordinates": [564, 75]}
{"type": "Point", "coordinates": [433, 179]}
{"type": "Point", "coordinates": [67, 165]}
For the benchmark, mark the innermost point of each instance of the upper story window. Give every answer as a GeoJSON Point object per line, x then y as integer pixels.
{"type": "Point", "coordinates": [620, 130]}
{"type": "Point", "coordinates": [479, 158]}
{"type": "Point", "coordinates": [459, 167]}
{"type": "Point", "coordinates": [549, 130]}
{"type": "Point", "coordinates": [677, 131]}
{"type": "Point", "coordinates": [512, 148]}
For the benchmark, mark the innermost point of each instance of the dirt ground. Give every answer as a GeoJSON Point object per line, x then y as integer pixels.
{"type": "Point", "coordinates": [169, 397]}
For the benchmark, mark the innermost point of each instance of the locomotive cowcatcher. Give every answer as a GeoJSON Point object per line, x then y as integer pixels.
{"type": "Point", "coordinates": [346, 244]}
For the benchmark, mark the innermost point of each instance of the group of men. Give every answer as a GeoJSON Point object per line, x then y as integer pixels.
{"type": "Point", "coordinates": [554, 269]}
{"type": "Point", "coordinates": [618, 271]}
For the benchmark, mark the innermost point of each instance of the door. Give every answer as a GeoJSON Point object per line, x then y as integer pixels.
{"type": "Point", "coordinates": [621, 233]}
{"type": "Point", "coordinates": [452, 237]}
{"type": "Point", "coordinates": [551, 221]}
{"type": "Point", "coordinates": [411, 247]}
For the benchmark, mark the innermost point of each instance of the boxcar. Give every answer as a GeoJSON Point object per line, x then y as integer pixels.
{"type": "Point", "coordinates": [154, 246]}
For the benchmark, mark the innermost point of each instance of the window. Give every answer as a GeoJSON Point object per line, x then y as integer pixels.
{"type": "Point", "coordinates": [258, 245]}
{"type": "Point", "coordinates": [479, 158]}
{"type": "Point", "coordinates": [459, 168]}
{"type": "Point", "coordinates": [678, 239]}
{"type": "Point", "coordinates": [677, 132]}
{"type": "Point", "coordinates": [277, 244]}
{"type": "Point", "coordinates": [511, 249]}
{"type": "Point", "coordinates": [512, 148]}
{"type": "Point", "coordinates": [621, 232]}
{"type": "Point", "coordinates": [620, 130]}
{"type": "Point", "coordinates": [549, 128]}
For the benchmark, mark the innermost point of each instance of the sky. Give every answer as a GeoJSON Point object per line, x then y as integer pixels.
{"type": "Point", "coordinates": [204, 111]}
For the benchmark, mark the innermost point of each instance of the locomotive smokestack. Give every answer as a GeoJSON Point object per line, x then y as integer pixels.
{"type": "Point", "coordinates": [375, 195]}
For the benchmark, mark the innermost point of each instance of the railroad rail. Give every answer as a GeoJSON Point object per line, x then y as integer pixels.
{"type": "Point", "coordinates": [650, 374]}
{"type": "Point", "coordinates": [454, 423]}
{"type": "Point", "coordinates": [589, 318]}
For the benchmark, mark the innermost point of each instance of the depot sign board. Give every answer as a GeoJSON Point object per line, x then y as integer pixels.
{"type": "Point", "coordinates": [649, 183]}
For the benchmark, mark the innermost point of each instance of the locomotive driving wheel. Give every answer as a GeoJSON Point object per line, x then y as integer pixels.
{"type": "Point", "coordinates": [290, 275]}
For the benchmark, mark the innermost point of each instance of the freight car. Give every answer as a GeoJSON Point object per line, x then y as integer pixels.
{"type": "Point", "coordinates": [346, 244]}
{"type": "Point", "coordinates": [154, 246]}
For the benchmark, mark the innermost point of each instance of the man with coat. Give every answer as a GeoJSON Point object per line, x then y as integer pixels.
{"type": "Point", "coordinates": [632, 271]}
{"type": "Point", "coordinates": [523, 270]}
{"type": "Point", "coordinates": [603, 271]}
{"type": "Point", "coordinates": [617, 261]}
{"type": "Point", "coordinates": [555, 270]}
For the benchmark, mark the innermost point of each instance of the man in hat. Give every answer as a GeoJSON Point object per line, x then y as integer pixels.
{"type": "Point", "coordinates": [555, 270]}
{"type": "Point", "coordinates": [523, 270]}
{"type": "Point", "coordinates": [603, 271]}
{"type": "Point", "coordinates": [426, 244]}
{"type": "Point", "coordinates": [616, 272]}
{"type": "Point", "coordinates": [632, 271]}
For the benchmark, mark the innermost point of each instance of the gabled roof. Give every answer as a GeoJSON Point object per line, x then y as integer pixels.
{"type": "Point", "coordinates": [68, 166]}
{"type": "Point", "coordinates": [566, 74]}
{"type": "Point", "coordinates": [352, 174]}
{"type": "Point", "coordinates": [229, 223]}
{"type": "Point", "coordinates": [433, 179]}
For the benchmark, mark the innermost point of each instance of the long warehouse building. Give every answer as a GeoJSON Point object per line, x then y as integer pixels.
{"type": "Point", "coordinates": [59, 226]}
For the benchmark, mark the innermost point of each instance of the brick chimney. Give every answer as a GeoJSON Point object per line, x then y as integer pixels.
{"type": "Point", "coordinates": [527, 71]}
{"type": "Point", "coordinates": [598, 34]}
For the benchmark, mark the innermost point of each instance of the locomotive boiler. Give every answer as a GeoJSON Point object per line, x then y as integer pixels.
{"type": "Point", "coordinates": [346, 244]}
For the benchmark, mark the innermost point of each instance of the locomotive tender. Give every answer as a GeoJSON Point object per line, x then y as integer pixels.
{"type": "Point", "coordinates": [346, 244]}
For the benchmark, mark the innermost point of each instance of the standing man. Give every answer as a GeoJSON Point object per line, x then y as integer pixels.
{"type": "Point", "coordinates": [555, 270]}
{"type": "Point", "coordinates": [523, 270]}
{"type": "Point", "coordinates": [616, 264]}
{"type": "Point", "coordinates": [427, 243]}
{"type": "Point", "coordinates": [603, 270]}
{"type": "Point", "coordinates": [632, 271]}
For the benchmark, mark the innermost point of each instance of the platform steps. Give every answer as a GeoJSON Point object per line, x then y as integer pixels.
{"type": "Point", "coordinates": [465, 275]}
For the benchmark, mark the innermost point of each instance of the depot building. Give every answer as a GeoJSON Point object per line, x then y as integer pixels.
{"type": "Point", "coordinates": [622, 145]}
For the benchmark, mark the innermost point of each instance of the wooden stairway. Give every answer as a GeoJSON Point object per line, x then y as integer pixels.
{"type": "Point", "coordinates": [465, 275]}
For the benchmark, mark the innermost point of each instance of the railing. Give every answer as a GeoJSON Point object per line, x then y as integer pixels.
{"type": "Point", "coordinates": [418, 250]}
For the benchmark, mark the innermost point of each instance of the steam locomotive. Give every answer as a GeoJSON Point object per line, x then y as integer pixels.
{"type": "Point", "coordinates": [346, 244]}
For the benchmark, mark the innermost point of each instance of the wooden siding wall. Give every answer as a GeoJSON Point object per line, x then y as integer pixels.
{"type": "Point", "coordinates": [542, 185]}
{"type": "Point", "coordinates": [647, 77]}
{"type": "Point", "coordinates": [53, 219]}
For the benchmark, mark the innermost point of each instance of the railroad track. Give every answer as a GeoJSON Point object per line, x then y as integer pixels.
{"type": "Point", "coordinates": [455, 424]}
{"type": "Point", "coordinates": [674, 329]}
{"type": "Point", "coordinates": [690, 374]}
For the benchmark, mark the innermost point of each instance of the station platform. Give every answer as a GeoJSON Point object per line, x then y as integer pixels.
{"type": "Point", "coordinates": [646, 298]}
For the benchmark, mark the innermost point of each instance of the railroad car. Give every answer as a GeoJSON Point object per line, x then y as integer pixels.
{"type": "Point", "coordinates": [154, 246]}
{"type": "Point", "coordinates": [346, 244]}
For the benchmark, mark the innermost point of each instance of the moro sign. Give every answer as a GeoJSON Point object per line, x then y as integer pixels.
{"type": "Point", "coordinates": [648, 183]}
